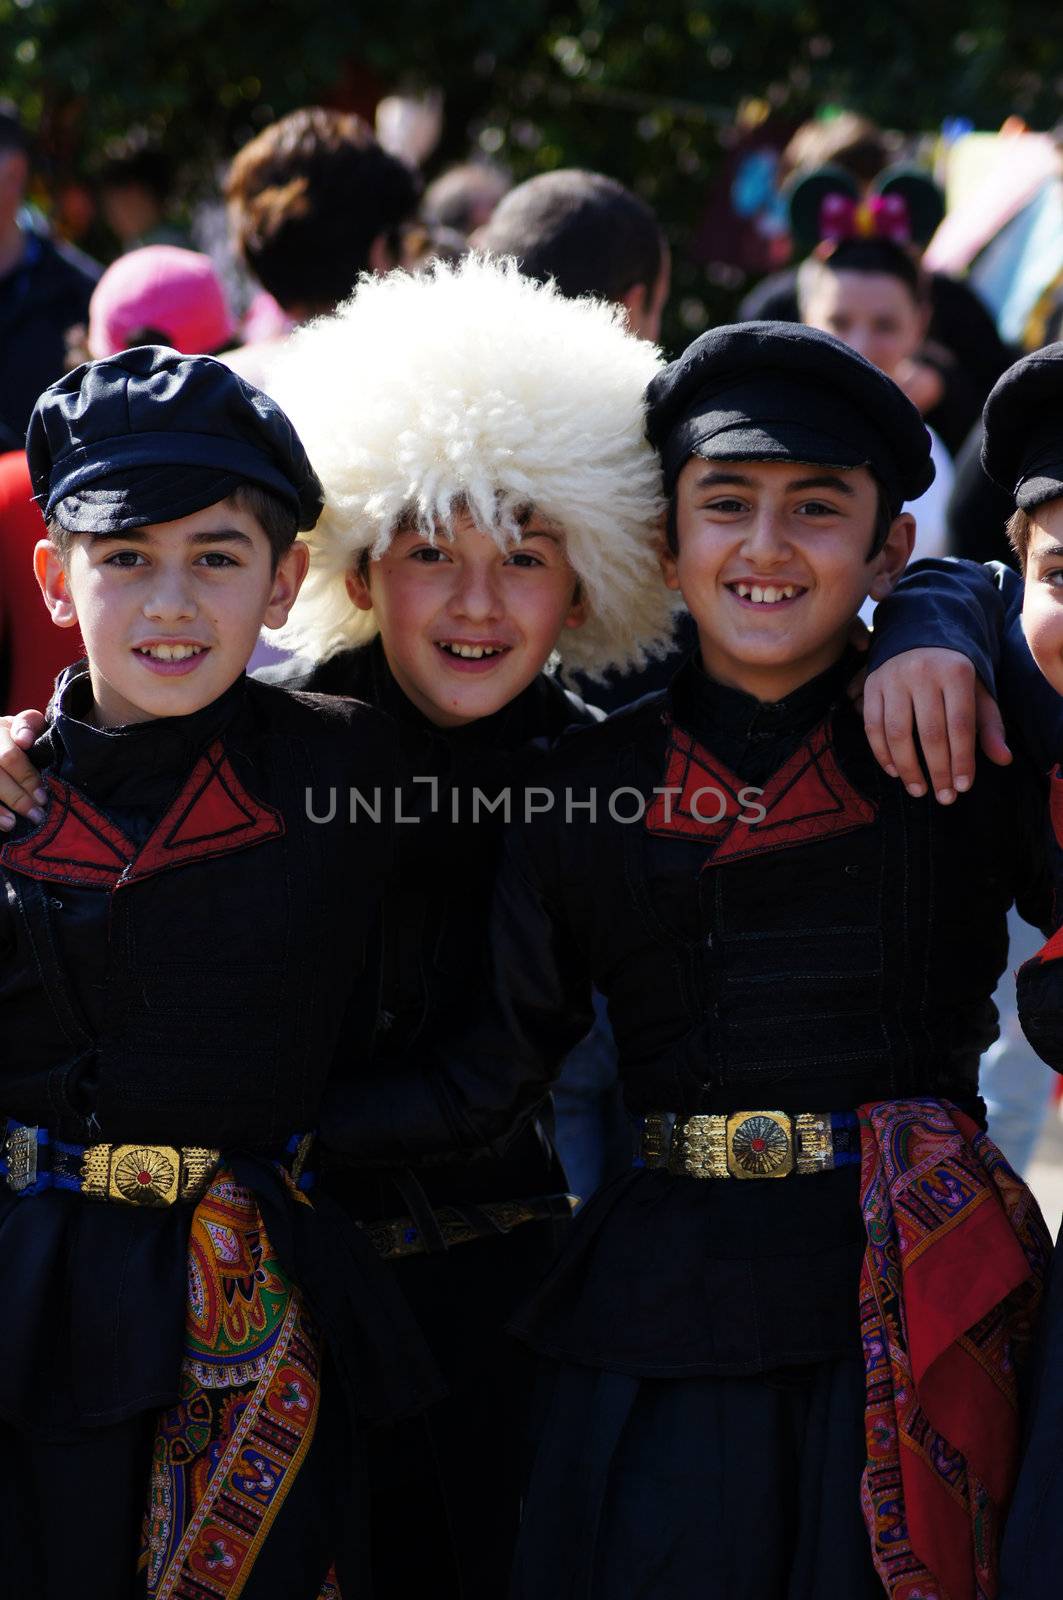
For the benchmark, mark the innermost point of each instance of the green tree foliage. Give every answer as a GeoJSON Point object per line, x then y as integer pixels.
{"type": "Point", "coordinates": [648, 90]}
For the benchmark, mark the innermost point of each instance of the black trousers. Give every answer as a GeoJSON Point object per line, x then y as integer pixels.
{"type": "Point", "coordinates": [699, 1488]}
{"type": "Point", "coordinates": [71, 1515]}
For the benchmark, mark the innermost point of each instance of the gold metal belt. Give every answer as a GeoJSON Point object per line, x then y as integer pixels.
{"type": "Point", "coordinates": [400, 1236]}
{"type": "Point", "coordinates": [147, 1174]}
{"type": "Point", "coordinates": [745, 1144]}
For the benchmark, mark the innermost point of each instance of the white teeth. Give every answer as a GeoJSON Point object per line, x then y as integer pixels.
{"type": "Point", "coordinates": [766, 594]}
{"type": "Point", "coordinates": [470, 652]}
{"type": "Point", "coordinates": [171, 652]}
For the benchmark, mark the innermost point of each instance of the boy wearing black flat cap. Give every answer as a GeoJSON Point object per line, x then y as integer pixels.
{"type": "Point", "coordinates": [187, 1345]}
{"type": "Point", "coordinates": [810, 1297]}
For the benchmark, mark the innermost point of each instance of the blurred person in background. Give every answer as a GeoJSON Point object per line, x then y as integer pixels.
{"type": "Point", "coordinates": [465, 197]}
{"type": "Point", "coordinates": [870, 293]}
{"type": "Point", "coordinates": [959, 321]}
{"type": "Point", "coordinates": [592, 236]}
{"type": "Point", "coordinates": [135, 187]}
{"type": "Point", "coordinates": [42, 293]}
{"type": "Point", "coordinates": [314, 201]}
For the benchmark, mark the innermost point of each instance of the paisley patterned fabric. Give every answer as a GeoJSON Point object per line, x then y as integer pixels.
{"type": "Point", "coordinates": [227, 1454]}
{"type": "Point", "coordinates": [951, 1281]}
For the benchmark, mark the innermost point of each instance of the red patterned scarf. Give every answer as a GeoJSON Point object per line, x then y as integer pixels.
{"type": "Point", "coordinates": [227, 1453]}
{"type": "Point", "coordinates": [950, 1285]}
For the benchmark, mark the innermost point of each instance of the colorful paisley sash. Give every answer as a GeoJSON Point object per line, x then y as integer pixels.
{"type": "Point", "coordinates": [951, 1282]}
{"type": "Point", "coordinates": [226, 1455]}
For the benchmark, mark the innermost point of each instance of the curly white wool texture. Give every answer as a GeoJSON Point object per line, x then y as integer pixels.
{"type": "Point", "coordinates": [471, 386]}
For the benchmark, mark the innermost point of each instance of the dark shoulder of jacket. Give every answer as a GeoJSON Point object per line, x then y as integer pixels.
{"type": "Point", "coordinates": [346, 672]}
{"type": "Point", "coordinates": [322, 720]}
{"type": "Point", "coordinates": [593, 744]}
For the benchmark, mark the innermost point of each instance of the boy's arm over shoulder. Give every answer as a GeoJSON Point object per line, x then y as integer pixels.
{"type": "Point", "coordinates": [949, 604]}
{"type": "Point", "coordinates": [948, 642]}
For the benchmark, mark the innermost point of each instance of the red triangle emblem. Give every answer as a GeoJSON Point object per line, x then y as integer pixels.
{"type": "Point", "coordinates": [74, 844]}
{"type": "Point", "coordinates": [808, 798]}
{"type": "Point", "coordinates": [213, 815]}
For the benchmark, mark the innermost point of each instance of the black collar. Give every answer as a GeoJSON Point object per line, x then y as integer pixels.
{"type": "Point", "coordinates": [108, 764]}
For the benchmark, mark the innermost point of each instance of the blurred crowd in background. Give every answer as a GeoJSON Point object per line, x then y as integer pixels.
{"type": "Point", "coordinates": [937, 260]}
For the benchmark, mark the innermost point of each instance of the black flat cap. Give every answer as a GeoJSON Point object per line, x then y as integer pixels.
{"type": "Point", "coordinates": [1023, 445]}
{"type": "Point", "coordinates": [778, 391]}
{"type": "Point", "coordinates": [151, 435]}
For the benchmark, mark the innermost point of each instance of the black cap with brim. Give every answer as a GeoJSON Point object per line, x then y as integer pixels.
{"type": "Point", "coordinates": [1022, 449]}
{"type": "Point", "coordinates": [150, 435]}
{"type": "Point", "coordinates": [778, 391]}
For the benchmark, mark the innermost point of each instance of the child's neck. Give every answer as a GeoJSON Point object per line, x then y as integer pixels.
{"type": "Point", "coordinates": [768, 682]}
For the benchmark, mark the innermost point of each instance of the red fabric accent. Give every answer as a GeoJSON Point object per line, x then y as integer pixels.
{"type": "Point", "coordinates": [213, 815]}
{"type": "Point", "coordinates": [808, 798]}
{"type": "Point", "coordinates": [74, 844]}
{"type": "Point", "coordinates": [1051, 950]}
{"type": "Point", "coordinates": [949, 1291]}
{"type": "Point", "coordinates": [34, 649]}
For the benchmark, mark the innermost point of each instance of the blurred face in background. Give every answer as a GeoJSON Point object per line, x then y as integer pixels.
{"type": "Point", "coordinates": [874, 313]}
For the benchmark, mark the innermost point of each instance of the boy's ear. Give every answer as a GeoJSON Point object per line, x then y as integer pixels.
{"type": "Point", "coordinates": [578, 609]}
{"type": "Point", "coordinates": [357, 582]}
{"type": "Point", "coordinates": [666, 557]}
{"type": "Point", "coordinates": [287, 581]}
{"type": "Point", "coordinates": [51, 575]}
{"type": "Point", "coordinates": [894, 556]}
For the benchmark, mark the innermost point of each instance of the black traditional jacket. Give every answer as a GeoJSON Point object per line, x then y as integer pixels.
{"type": "Point", "coordinates": [977, 610]}
{"type": "Point", "coordinates": [435, 962]}
{"type": "Point", "coordinates": [822, 943]}
{"type": "Point", "coordinates": [183, 950]}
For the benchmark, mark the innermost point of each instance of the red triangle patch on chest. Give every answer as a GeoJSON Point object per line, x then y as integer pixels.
{"type": "Point", "coordinates": [74, 844]}
{"type": "Point", "coordinates": [77, 844]}
{"type": "Point", "coordinates": [212, 815]}
{"type": "Point", "coordinates": [808, 798]}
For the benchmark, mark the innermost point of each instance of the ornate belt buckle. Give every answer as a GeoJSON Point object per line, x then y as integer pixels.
{"type": "Point", "coordinates": [760, 1144]}
{"type": "Point", "coordinates": [21, 1152]}
{"type": "Point", "coordinates": [144, 1174]}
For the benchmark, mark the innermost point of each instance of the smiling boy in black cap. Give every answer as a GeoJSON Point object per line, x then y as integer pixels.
{"type": "Point", "coordinates": [181, 948]}
{"type": "Point", "coordinates": [808, 1299]}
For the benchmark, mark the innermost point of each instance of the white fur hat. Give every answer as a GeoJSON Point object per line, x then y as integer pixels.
{"type": "Point", "coordinates": [471, 386]}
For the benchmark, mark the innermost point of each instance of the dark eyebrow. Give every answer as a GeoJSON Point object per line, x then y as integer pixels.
{"type": "Point", "coordinates": [1048, 552]}
{"type": "Point", "coordinates": [539, 533]}
{"type": "Point", "coordinates": [821, 480]}
{"type": "Point", "coordinates": [222, 536]}
{"type": "Point", "coordinates": [210, 536]}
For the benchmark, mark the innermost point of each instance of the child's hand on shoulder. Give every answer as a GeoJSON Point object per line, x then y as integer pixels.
{"type": "Point", "coordinates": [936, 695]}
{"type": "Point", "coordinates": [20, 782]}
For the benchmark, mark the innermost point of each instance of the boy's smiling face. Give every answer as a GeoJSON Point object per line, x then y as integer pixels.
{"type": "Point", "coordinates": [773, 565]}
{"type": "Point", "coordinates": [169, 612]}
{"type": "Point", "coordinates": [465, 625]}
{"type": "Point", "coordinates": [1042, 603]}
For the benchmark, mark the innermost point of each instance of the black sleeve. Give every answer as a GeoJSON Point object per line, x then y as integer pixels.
{"type": "Point", "coordinates": [976, 610]}
{"type": "Point", "coordinates": [948, 604]}
{"type": "Point", "coordinates": [479, 1084]}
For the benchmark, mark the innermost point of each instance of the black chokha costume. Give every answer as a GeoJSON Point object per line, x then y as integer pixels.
{"type": "Point", "coordinates": [190, 1341]}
